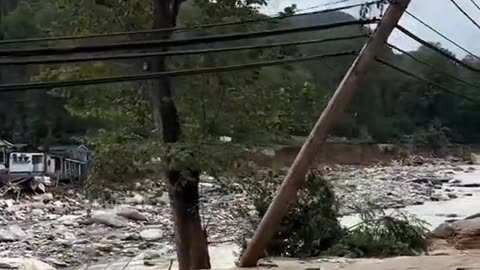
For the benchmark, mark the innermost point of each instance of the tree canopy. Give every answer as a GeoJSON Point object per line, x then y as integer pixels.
{"type": "Point", "coordinates": [258, 106]}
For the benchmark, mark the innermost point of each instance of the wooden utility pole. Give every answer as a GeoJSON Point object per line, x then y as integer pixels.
{"type": "Point", "coordinates": [299, 169]}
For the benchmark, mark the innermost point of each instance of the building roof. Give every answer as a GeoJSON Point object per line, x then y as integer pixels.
{"type": "Point", "coordinates": [66, 148]}
{"type": "Point", "coordinates": [5, 143]}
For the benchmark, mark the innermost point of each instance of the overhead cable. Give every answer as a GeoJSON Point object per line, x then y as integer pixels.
{"type": "Point", "coordinates": [416, 59]}
{"type": "Point", "coordinates": [439, 86]}
{"type": "Point", "coordinates": [87, 58]}
{"type": "Point", "coordinates": [160, 44]}
{"type": "Point", "coordinates": [333, 3]}
{"type": "Point", "coordinates": [436, 49]}
{"type": "Point", "coordinates": [475, 4]}
{"type": "Point", "coordinates": [442, 35]}
{"type": "Point", "coordinates": [183, 29]}
{"type": "Point", "coordinates": [174, 73]}
{"type": "Point", "coordinates": [465, 13]}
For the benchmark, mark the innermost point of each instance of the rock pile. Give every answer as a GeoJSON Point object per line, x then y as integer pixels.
{"type": "Point", "coordinates": [461, 234]}
{"type": "Point", "coordinates": [69, 230]}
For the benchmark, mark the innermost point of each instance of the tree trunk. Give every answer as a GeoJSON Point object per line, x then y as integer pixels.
{"type": "Point", "coordinates": [190, 240]}
{"type": "Point", "coordinates": [179, 206]}
{"type": "Point", "coordinates": [199, 256]}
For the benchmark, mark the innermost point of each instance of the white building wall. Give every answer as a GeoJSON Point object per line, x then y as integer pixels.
{"type": "Point", "coordinates": [26, 162]}
{"type": "Point", "coordinates": [50, 164]}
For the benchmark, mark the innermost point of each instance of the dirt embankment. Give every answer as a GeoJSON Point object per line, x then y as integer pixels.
{"type": "Point", "coordinates": [359, 153]}
{"type": "Point", "coordinates": [443, 261]}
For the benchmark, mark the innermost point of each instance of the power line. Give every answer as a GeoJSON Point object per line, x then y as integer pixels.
{"type": "Point", "coordinates": [441, 87]}
{"type": "Point", "coordinates": [416, 59]}
{"type": "Point", "coordinates": [174, 73]}
{"type": "Point", "coordinates": [327, 5]}
{"type": "Point", "coordinates": [174, 42]}
{"type": "Point", "coordinates": [475, 4]}
{"type": "Point", "coordinates": [336, 2]}
{"type": "Point", "coordinates": [442, 35]}
{"type": "Point", "coordinates": [184, 29]}
{"type": "Point", "coordinates": [171, 53]}
{"type": "Point", "coordinates": [465, 13]}
{"type": "Point", "coordinates": [436, 49]}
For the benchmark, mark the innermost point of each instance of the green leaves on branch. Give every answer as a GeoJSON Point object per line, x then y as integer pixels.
{"type": "Point", "coordinates": [382, 235]}
{"type": "Point", "coordinates": [310, 227]}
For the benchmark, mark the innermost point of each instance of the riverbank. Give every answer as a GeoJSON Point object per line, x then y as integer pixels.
{"type": "Point", "coordinates": [466, 261]}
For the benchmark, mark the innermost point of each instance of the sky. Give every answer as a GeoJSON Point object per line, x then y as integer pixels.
{"type": "Point", "coordinates": [441, 14]}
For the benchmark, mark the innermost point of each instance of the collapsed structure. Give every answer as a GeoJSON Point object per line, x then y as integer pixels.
{"type": "Point", "coordinates": [24, 162]}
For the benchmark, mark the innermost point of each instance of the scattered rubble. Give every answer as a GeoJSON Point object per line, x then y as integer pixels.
{"type": "Point", "coordinates": [395, 186]}
{"type": "Point", "coordinates": [68, 230]}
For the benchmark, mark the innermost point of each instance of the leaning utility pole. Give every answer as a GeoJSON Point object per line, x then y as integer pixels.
{"type": "Point", "coordinates": [299, 169]}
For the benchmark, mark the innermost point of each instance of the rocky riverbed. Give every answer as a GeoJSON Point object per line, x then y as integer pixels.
{"type": "Point", "coordinates": [397, 185]}
{"type": "Point", "coordinates": [69, 230]}
{"type": "Point", "coordinates": [66, 230]}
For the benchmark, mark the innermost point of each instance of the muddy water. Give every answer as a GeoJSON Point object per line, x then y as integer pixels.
{"type": "Point", "coordinates": [435, 213]}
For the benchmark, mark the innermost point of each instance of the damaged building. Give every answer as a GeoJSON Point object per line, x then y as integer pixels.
{"type": "Point", "coordinates": [63, 162]}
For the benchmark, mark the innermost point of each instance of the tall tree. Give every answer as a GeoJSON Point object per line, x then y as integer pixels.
{"type": "Point", "coordinates": [183, 186]}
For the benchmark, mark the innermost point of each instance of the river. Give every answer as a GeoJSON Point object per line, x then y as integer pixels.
{"type": "Point", "coordinates": [435, 213]}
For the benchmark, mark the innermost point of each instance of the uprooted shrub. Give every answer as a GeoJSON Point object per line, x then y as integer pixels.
{"type": "Point", "coordinates": [382, 235]}
{"type": "Point", "coordinates": [311, 227]}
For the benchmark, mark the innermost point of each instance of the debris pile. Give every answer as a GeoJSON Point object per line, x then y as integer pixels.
{"type": "Point", "coordinates": [64, 229]}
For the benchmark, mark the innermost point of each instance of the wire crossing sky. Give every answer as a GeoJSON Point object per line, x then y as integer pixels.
{"type": "Point", "coordinates": [440, 14]}
{"type": "Point", "coordinates": [134, 77]}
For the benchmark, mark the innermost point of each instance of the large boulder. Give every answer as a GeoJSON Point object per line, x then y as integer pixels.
{"type": "Point", "coordinates": [131, 213]}
{"type": "Point", "coordinates": [475, 157]}
{"type": "Point", "coordinates": [462, 234]}
{"type": "Point", "coordinates": [109, 219]}
{"type": "Point", "coordinates": [24, 264]}
{"type": "Point", "coordinates": [473, 216]}
{"type": "Point", "coordinates": [443, 231]}
{"type": "Point", "coordinates": [151, 234]}
{"type": "Point", "coordinates": [13, 233]}
{"type": "Point", "coordinates": [31, 264]}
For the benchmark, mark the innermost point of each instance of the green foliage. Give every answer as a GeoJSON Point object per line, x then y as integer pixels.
{"type": "Point", "coordinates": [121, 160]}
{"type": "Point", "coordinates": [283, 101]}
{"type": "Point", "coordinates": [311, 225]}
{"type": "Point", "coordinates": [19, 23]}
{"type": "Point", "coordinates": [435, 135]}
{"type": "Point", "coordinates": [381, 235]}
